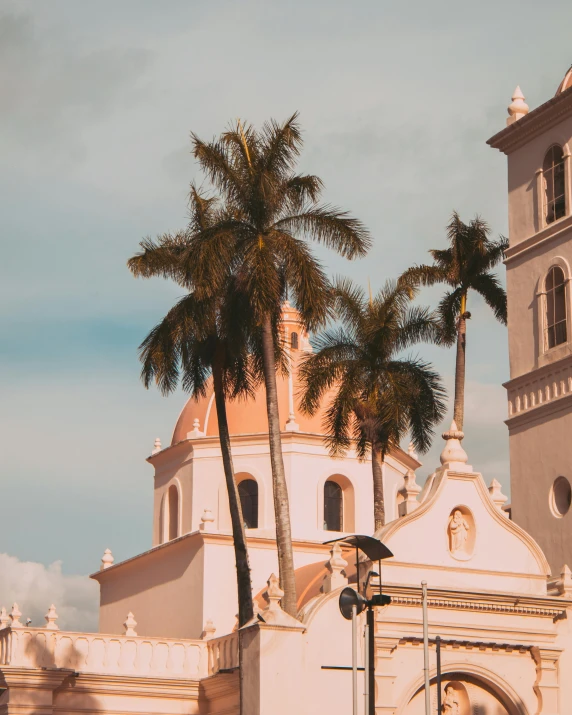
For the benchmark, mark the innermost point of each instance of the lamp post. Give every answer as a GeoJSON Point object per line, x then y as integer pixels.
{"type": "Point", "coordinates": [426, 648]}
{"type": "Point", "coordinates": [438, 651]}
{"type": "Point", "coordinates": [353, 603]}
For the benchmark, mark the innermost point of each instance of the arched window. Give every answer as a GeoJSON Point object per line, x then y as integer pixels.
{"type": "Point", "coordinates": [248, 493]}
{"type": "Point", "coordinates": [554, 183]}
{"type": "Point", "coordinates": [294, 341]}
{"type": "Point", "coordinates": [333, 507]}
{"type": "Point", "coordinates": [171, 513]}
{"type": "Point", "coordinates": [555, 307]}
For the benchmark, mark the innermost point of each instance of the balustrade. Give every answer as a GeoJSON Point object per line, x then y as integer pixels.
{"type": "Point", "coordinates": [99, 653]}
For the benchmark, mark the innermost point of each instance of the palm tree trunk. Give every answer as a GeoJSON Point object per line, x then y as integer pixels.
{"type": "Point", "coordinates": [459, 409]}
{"type": "Point", "coordinates": [279, 488]}
{"type": "Point", "coordinates": [244, 584]}
{"type": "Point", "coordinates": [378, 496]}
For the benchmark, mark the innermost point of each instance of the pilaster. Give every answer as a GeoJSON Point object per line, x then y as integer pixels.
{"type": "Point", "coordinates": [385, 675]}
{"type": "Point", "coordinates": [547, 686]}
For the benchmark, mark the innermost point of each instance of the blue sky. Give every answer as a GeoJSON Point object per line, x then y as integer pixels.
{"type": "Point", "coordinates": [396, 101]}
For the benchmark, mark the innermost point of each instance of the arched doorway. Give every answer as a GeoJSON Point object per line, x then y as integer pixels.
{"type": "Point", "coordinates": [464, 694]}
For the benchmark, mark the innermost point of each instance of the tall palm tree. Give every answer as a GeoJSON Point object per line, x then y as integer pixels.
{"type": "Point", "coordinates": [270, 213]}
{"type": "Point", "coordinates": [466, 265]}
{"type": "Point", "coordinates": [374, 396]}
{"type": "Point", "coordinates": [200, 338]}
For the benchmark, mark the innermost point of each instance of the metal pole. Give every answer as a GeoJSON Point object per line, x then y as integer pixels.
{"type": "Point", "coordinates": [366, 669]}
{"type": "Point", "coordinates": [371, 661]}
{"type": "Point", "coordinates": [438, 649]}
{"type": "Point", "coordinates": [426, 648]}
{"type": "Point", "coordinates": [354, 660]}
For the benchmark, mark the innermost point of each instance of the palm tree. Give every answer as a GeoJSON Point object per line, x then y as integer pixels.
{"type": "Point", "coordinates": [374, 397]}
{"type": "Point", "coordinates": [197, 339]}
{"type": "Point", "coordinates": [270, 213]}
{"type": "Point", "coordinates": [466, 265]}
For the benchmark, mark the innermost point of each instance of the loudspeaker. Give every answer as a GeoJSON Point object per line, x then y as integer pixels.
{"type": "Point", "coordinates": [348, 598]}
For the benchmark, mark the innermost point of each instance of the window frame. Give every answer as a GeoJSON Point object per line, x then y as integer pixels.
{"type": "Point", "coordinates": [549, 184]}
{"type": "Point", "coordinates": [550, 301]}
{"type": "Point", "coordinates": [547, 354]}
{"type": "Point", "coordinates": [541, 222]}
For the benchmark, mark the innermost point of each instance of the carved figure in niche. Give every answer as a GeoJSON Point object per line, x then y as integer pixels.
{"type": "Point", "coordinates": [459, 530]}
{"type": "Point", "coordinates": [451, 701]}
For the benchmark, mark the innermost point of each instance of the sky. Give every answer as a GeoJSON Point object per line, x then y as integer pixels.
{"type": "Point", "coordinates": [396, 101]}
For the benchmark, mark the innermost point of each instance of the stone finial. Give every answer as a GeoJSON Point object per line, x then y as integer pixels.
{"type": "Point", "coordinates": [291, 425]}
{"type": "Point", "coordinates": [196, 431]}
{"type": "Point", "coordinates": [51, 618]}
{"type": "Point", "coordinates": [273, 594]}
{"type": "Point", "coordinates": [409, 491]}
{"type": "Point", "coordinates": [208, 630]}
{"type": "Point", "coordinates": [255, 608]}
{"type": "Point", "coordinates": [106, 560]}
{"type": "Point", "coordinates": [336, 565]}
{"type": "Point", "coordinates": [453, 455]}
{"type": "Point", "coordinates": [5, 619]}
{"type": "Point", "coordinates": [518, 108]}
{"type": "Point", "coordinates": [273, 613]}
{"type": "Point", "coordinates": [495, 490]}
{"type": "Point", "coordinates": [157, 446]}
{"type": "Point", "coordinates": [15, 614]}
{"type": "Point", "coordinates": [207, 519]}
{"type": "Point", "coordinates": [129, 625]}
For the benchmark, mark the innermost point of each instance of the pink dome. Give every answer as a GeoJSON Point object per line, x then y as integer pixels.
{"type": "Point", "coordinates": [249, 416]}
{"type": "Point", "coordinates": [566, 82]}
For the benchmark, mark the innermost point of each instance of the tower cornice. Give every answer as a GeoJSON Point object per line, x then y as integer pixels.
{"type": "Point", "coordinates": [531, 125]}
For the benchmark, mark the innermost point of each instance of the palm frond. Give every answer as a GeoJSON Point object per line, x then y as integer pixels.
{"type": "Point", "coordinates": [489, 287]}
{"type": "Point", "coordinates": [328, 225]}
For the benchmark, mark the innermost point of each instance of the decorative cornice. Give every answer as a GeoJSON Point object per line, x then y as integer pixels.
{"type": "Point", "coordinates": [540, 240]}
{"type": "Point", "coordinates": [539, 120]}
{"type": "Point", "coordinates": [192, 446]}
{"type": "Point", "coordinates": [483, 606]}
{"type": "Point", "coordinates": [14, 676]}
{"type": "Point", "coordinates": [149, 685]}
{"type": "Point", "coordinates": [538, 373]}
{"type": "Point", "coordinates": [211, 537]}
{"type": "Point", "coordinates": [514, 600]}
{"type": "Point", "coordinates": [558, 404]}
{"type": "Point", "coordinates": [456, 644]}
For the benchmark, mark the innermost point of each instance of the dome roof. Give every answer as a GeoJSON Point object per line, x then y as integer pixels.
{"type": "Point", "coordinates": [249, 416]}
{"type": "Point", "coordinates": [566, 83]}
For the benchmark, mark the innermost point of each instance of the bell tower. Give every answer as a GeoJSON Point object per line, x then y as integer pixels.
{"type": "Point", "coordinates": [538, 265]}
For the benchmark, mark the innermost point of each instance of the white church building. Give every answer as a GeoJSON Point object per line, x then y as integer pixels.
{"type": "Point", "coordinates": [499, 592]}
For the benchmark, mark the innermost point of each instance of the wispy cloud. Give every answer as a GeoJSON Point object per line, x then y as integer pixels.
{"type": "Point", "coordinates": [34, 587]}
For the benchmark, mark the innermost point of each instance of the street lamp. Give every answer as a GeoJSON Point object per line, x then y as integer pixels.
{"type": "Point", "coordinates": [352, 602]}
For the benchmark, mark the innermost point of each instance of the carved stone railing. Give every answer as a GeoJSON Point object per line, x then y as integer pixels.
{"type": "Point", "coordinates": [98, 653]}
{"type": "Point", "coordinates": [547, 386]}
{"type": "Point", "coordinates": [223, 653]}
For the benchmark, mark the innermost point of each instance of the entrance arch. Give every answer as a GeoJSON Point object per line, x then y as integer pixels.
{"type": "Point", "coordinates": [472, 689]}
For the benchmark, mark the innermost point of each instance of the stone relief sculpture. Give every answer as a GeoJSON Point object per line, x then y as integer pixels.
{"type": "Point", "coordinates": [451, 700]}
{"type": "Point", "coordinates": [458, 532]}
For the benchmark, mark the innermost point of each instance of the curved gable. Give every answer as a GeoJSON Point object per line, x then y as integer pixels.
{"type": "Point", "coordinates": [488, 551]}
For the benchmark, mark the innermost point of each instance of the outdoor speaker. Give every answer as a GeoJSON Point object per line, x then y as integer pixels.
{"type": "Point", "coordinates": [349, 598]}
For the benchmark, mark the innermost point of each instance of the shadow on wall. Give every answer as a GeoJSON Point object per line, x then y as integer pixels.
{"type": "Point", "coordinates": [38, 651]}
